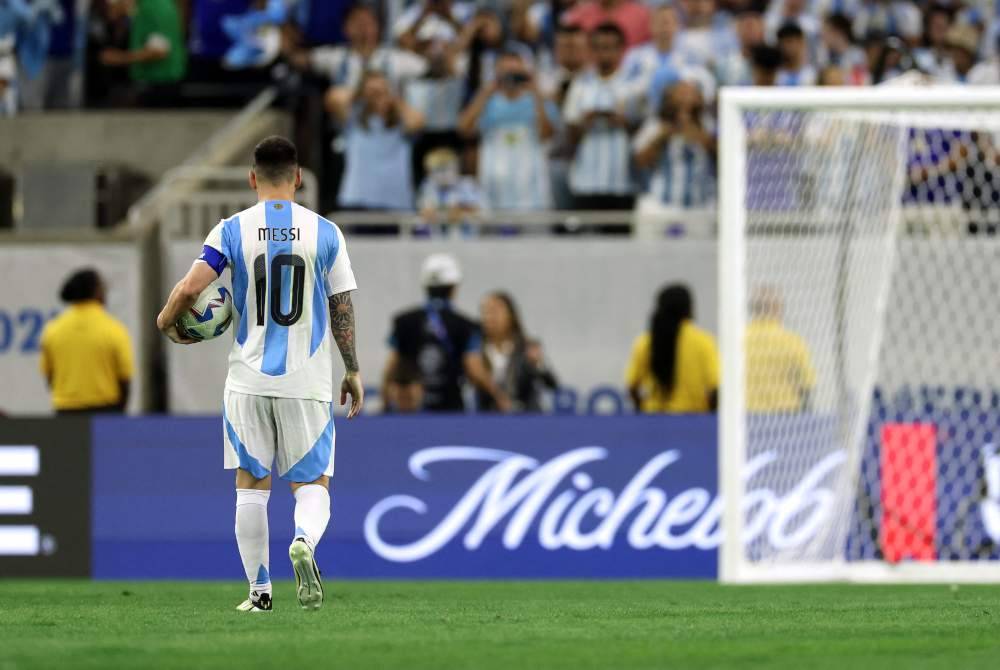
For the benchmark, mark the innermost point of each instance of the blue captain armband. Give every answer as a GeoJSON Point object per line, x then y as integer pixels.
{"type": "Point", "coordinates": [214, 258]}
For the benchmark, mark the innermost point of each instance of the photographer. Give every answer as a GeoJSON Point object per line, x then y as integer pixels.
{"type": "Point", "coordinates": [678, 149]}
{"type": "Point", "coordinates": [513, 120]}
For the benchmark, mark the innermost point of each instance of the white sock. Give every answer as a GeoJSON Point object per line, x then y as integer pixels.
{"type": "Point", "coordinates": [252, 537]}
{"type": "Point", "coordinates": [312, 512]}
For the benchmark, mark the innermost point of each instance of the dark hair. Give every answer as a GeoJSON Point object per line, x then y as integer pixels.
{"type": "Point", "coordinates": [758, 7]}
{"type": "Point", "coordinates": [275, 160]}
{"type": "Point", "coordinates": [392, 119]}
{"type": "Point", "coordinates": [841, 24]}
{"type": "Point", "coordinates": [567, 29]}
{"type": "Point", "coordinates": [441, 292]}
{"type": "Point", "coordinates": [673, 307]}
{"type": "Point", "coordinates": [765, 57]}
{"type": "Point", "coordinates": [515, 317]}
{"type": "Point", "coordinates": [932, 9]}
{"type": "Point", "coordinates": [477, 51]}
{"type": "Point", "coordinates": [81, 285]}
{"type": "Point", "coordinates": [362, 7]}
{"type": "Point", "coordinates": [890, 45]}
{"type": "Point", "coordinates": [874, 38]}
{"type": "Point", "coordinates": [790, 30]}
{"type": "Point", "coordinates": [609, 28]}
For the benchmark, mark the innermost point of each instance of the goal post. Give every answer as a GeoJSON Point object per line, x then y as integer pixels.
{"type": "Point", "coordinates": [859, 280]}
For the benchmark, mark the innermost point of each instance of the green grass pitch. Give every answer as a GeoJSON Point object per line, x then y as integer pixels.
{"type": "Point", "coordinates": [508, 625]}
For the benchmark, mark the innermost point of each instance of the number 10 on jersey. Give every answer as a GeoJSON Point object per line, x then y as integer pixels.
{"type": "Point", "coordinates": [277, 288]}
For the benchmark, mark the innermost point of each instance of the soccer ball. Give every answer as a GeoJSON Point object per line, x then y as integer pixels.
{"type": "Point", "coordinates": [210, 315]}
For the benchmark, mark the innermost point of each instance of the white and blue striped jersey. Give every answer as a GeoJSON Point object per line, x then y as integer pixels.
{"type": "Point", "coordinates": [513, 167]}
{"type": "Point", "coordinates": [601, 164]}
{"type": "Point", "coordinates": [344, 66]}
{"type": "Point", "coordinates": [891, 18]}
{"type": "Point", "coordinates": [806, 76]}
{"type": "Point", "coordinates": [649, 71]}
{"type": "Point", "coordinates": [285, 262]}
{"type": "Point", "coordinates": [710, 45]}
{"type": "Point", "coordinates": [684, 176]}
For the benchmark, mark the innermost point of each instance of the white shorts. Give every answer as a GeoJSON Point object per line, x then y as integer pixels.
{"type": "Point", "coordinates": [297, 434]}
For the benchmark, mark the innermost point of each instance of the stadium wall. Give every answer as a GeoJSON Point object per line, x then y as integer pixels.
{"type": "Point", "coordinates": [126, 138]}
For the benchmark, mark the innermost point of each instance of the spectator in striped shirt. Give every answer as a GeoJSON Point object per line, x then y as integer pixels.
{"type": "Point", "coordinates": [679, 149]}
{"type": "Point", "coordinates": [796, 69]}
{"type": "Point", "coordinates": [424, 25]}
{"type": "Point", "coordinates": [661, 60]}
{"type": "Point", "coordinates": [343, 65]}
{"type": "Point", "coordinates": [597, 113]}
{"type": "Point", "coordinates": [781, 12]}
{"type": "Point", "coordinates": [571, 54]}
{"type": "Point", "coordinates": [837, 50]}
{"type": "Point", "coordinates": [764, 64]}
{"type": "Point", "coordinates": [708, 34]}
{"type": "Point", "coordinates": [890, 17]}
{"type": "Point", "coordinates": [737, 68]}
{"type": "Point", "coordinates": [932, 55]}
{"type": "Point", "coordinates": [513, 120]}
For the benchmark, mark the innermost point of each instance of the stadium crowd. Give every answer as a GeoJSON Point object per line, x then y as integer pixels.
{"type": "Point", "coordinates": [452, 108]}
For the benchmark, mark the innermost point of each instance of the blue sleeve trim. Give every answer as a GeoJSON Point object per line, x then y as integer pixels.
{"type": "Point", "coordinates": [475, 343]}
{"type": "Point", "coordinates": [214, 258]}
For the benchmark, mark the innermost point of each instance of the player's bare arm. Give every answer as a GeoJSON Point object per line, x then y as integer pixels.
{"type": "Point", "coordinates": [343, 327]}
{"type": "Point", "coordinates": [182, 297]}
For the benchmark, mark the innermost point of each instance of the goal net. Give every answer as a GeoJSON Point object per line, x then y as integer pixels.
{"type": "Point", "coordinates": [860, 333]}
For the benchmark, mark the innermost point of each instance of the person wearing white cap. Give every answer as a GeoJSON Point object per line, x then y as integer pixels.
{"type": "Point", "coordinates": [442, 343]}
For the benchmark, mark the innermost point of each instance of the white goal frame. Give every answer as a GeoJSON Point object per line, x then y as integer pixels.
{"type": "Point", "coordinates": [733, 298]}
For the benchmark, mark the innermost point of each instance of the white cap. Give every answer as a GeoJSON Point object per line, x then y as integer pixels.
{"type": "Point", "coordinates": [440, 270]}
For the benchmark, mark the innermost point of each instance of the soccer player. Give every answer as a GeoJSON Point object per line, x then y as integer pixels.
{"type": "Point", "coordinates": [292, 283]}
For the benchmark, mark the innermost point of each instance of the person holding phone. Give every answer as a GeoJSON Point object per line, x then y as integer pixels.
{"type": "Point", "coordinates": [678, 147]}
{"type": "Point", "coordinates": [596, 111]}
{"type": "Point", "coordinates": [514, 121]}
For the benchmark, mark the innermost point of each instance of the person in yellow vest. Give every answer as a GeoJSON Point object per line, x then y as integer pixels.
{"type": "Point", "coordinates": [780, 375]}
{"type": "Point", "coordinates": [86, 352]}
{"type": "Point", "coordinates": [674, 366]}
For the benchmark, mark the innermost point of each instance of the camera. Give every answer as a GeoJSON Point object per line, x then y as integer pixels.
{"type": "Point", "coordinates": [514, 79]}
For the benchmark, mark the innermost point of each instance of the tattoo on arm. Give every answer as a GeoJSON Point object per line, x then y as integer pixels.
{"type": "Point", "coordinates": [342, 325]}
